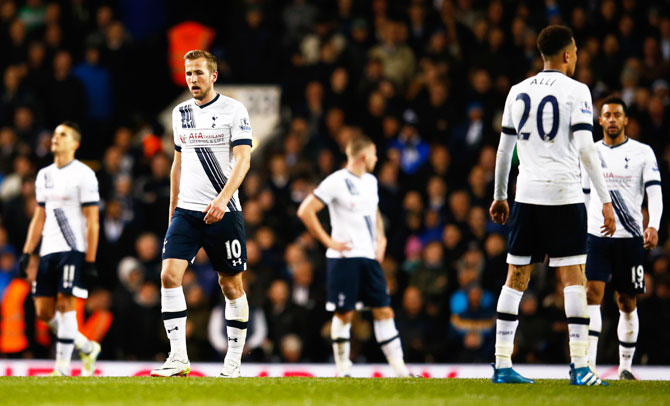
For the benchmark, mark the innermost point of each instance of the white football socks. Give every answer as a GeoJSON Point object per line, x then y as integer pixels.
{"type": "Point", "coordinates": [237, 318]}
{"type": "Point", "coordinates": [389, 340]}
{"type": "Point", "coordinates": [578, 324]}
{"type": "Point", "coordinates": [81, 342]}
{"type": "Point", "coordinates": [67, 330]}
{"type": "Point", "coordinates": [595, 327]}
{"type": "Point", "coordinates": [173, 309]}
{"type": "Point", "coordinates": [340, 334]}
{"type": "Point", "coordinates": [627, 331]}
{"type": "Point", "coordinates": [506, 324]}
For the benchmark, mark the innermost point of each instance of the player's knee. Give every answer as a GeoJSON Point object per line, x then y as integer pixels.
{"type": "Point", "coordinates": [45, 313]}
{"type": "Point", "coordinates": [345, 317]}
{"type": "Point", "coordinates": [626, 302]}
{"type": "Point", "coordinates": [593, 295]}
{"type": "Point", "coordinates": [382, 313]}
{"type": "Point", "coordinates": [518, 279]}
{"type": "Point", "coordinates": [231, 287]}
{"type": "Point", "coordinates": [169, 279]}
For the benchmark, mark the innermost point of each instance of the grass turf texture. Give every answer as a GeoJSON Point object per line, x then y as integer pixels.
{"type": "Point", "coordinates": [138, 391]}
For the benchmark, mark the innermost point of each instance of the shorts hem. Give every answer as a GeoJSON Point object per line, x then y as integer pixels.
{"type": "Point", "coordinates": [567, 261]}
{"type": "Point", "coordinates": [519, 260]}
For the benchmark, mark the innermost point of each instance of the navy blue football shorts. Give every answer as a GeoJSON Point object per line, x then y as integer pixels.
{"type": "Point", "coordinates": [555, 231]}
{"type": "Point", "coordinates": [355, 280]}
{"type": "Point", "coordinates": [223, 241]}
{"type": "Point", "coordinates": [60, 272]}
{"type": "Point", "coordinates": [619, 260]}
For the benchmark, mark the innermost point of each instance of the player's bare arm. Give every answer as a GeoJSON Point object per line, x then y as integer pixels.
{"type": "Point", "coordinates": [33, 238]}
{"type": "Point", "coordinates": [307, 213]}
{"type": "Point", "coordinates": [92, 214]}
{"type": "Point", "coordinates": [609, 227]}
{"type": "Point", "coordinates": [589, 158]}
{"type": "Point", "coordinates": [381, 238]}
{"type": "Point", "coordinates": [175, 177]}
{"type": "Point", "coordinates": [217, 207]}
{"type": "Point", "coordinates": [35, 230]}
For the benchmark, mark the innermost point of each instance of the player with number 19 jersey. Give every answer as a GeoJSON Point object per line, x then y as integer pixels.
{"type": "Point", "coordinates": [541, 110]}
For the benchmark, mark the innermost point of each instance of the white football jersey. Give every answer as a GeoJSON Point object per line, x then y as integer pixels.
{"type": "Point", "coordinates": [543, 111]}
{"type": "Point", "coordinates": [205, 135]}
{"type": "Point", "coordinates": [352, 204]}
{"type": "Point", "coordinates": [629, 168]}
{"type": "Point", "coordinates": [63, 192]}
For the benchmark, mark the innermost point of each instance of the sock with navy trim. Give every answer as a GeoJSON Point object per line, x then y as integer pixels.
{"type": "Point", "coordinates": [340, 334]}
{"type": "Point", "coordinates": [506, 324]}
{"type": "Point", "coordinates": [595, 327]}
{"type": "Point", "coordinates": [627, 332]}
{"type": "Point", "coordinates": [237, 319]}
{"type": "Point", "coordinates": [389, 340]}
{"type": "Point", "coordinates": [173, 310]}
{"type": "Point", "coordinates": [578, 324]}
{"type": "Point", "coordinates": [67, 330]}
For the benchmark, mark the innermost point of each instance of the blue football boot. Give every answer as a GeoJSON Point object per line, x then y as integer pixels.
{"type": "Point", "coordinates": [585, 377]}
{"type": "Point", "coordinates": [508, 375]}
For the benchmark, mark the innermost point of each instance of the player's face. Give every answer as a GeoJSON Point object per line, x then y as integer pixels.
{"type": "Point", "coordinates": [63, 140]}
{"type": "Point", "coordinates": [199, 78]}
{"type": "Point", "coordinates": [612, 119]}
{"type": "Point", "coordinates": [572, 58]}
{"type": "Point", "coordinates": [370, 156]}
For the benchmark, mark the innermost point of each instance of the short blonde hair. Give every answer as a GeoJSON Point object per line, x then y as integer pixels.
{"type": "Point", "coordinates": [199, 53]}
{"type": "Point", "coordinates": [356, 144]}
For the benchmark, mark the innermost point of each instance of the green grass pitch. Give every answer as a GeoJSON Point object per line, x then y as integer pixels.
{"type": "Point", "coordinates": [140, 391]}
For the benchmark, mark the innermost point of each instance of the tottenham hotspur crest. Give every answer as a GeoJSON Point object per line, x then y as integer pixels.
{"type": "Point", "coordinates": [627, 162]}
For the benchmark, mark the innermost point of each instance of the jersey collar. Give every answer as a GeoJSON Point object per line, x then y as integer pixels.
{"type": "Point", "coordinates": [65, 166]}
{"type": "Point", "coordinates": [615, 146]}
{"type": "Point", "coordinates": [552, 71]}
{"type": "Point", "coordinates": [210, 102]}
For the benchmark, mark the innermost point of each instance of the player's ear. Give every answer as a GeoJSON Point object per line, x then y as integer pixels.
{"type": "Point", "coordinates": [625, 121]}
{"type": "Point", "coordinates": [215, 76]}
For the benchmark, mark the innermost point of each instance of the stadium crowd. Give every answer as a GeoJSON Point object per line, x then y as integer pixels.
{"type": "Point", "coordinates": [425, 79]}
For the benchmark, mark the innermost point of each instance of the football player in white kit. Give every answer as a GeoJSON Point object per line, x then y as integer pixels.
{"type": "Point", "coordinates": [66, 219]}
{"type": "Point", "coordinates": [630, 170]}
{"type": "Point", "coordinates": [549, 118]}
{"type": "Point", "coordinates": [212, 138]}
{"type": "Point", "coordinates": [356, 248]}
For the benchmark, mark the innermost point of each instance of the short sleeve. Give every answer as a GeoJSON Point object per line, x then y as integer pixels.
{"type": "Point", "coordinates": [88, 189]}
{"type": "Point", "coordinates": [176, 126]}
{"type": "Point", "coordinates": [507, 121]}
{"type": "Point", "coordinates": [581, 116]}
{"type": "Point", "coordinates": [241, 127]}
{"type": "Point", "coordinates": [327, 190]}
{"type": "Point", "coordinates": [39, 188]}
{"type": "Point", "coordinates": [651, 175]}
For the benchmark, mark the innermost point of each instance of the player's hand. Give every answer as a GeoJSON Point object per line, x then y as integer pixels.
{"type": "Point", "coordinates": [24, 260]}
{"type": "Point", "coordinates": [339, 246]}
{"type": "Point", "coordinates": [90, 274]}
{"type": "Point", "coordinates": [215, 210]}
{"type": "Point", "coordinates": [650, 238]}
{"type": "Point", "coordinates": [499, 211]}
{"type": "Point", "coordinates": [380, 251]}
{"type": "Point", "coordinates": [609, 227]}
